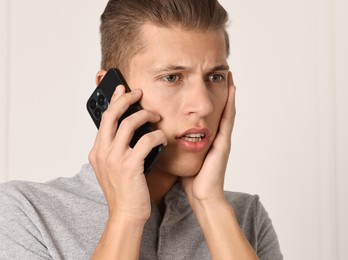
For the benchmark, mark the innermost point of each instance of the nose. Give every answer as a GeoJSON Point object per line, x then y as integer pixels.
{"type": "Point", "coordinates": [198, 100]}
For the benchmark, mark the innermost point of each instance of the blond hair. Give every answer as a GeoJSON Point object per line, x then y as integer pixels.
{"type": "Point", "coordinates": [122, 20]}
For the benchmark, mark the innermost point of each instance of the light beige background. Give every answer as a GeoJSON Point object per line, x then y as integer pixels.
{"type": "Point", "coordinates": [290, 146]}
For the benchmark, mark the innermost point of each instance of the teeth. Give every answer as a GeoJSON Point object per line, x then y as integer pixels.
{"type": "Point", "coordinates": [195, 138]}
{"type": "Point", "coordinates": [195, 135]}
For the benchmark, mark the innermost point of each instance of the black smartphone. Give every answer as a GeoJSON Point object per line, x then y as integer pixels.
{"type": "Point", "coordinates": [99, 102]}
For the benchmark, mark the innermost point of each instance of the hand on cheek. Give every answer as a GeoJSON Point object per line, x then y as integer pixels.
{"type": "Point", "coordinates": [118, 167]}
{"type": "Point", "coordinates": [207, 185]}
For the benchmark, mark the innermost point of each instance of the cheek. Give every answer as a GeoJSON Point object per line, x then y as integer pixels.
{"type": "Point", "coordinates": [156, 105]}
{"type": "Point", "coordinates": [161, 101]}
{"type": "Point", "coordinates": [169, 121]}
{"type": "Point", "coordinates": [219, 103]}
{"type": "Point", "coordinates": [164, 108]}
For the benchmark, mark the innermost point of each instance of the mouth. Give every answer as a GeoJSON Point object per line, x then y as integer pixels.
{"type": "Point", "coordinates": [194, 138]}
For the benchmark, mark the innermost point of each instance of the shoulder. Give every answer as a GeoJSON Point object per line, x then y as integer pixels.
{"type": "Point", "coordinates": [28, 195]}
{"type": "Point", "coordinates": [40, 219]}
{"type": "Point", "coordinates": [21, 199]}
{"type": "Point", "coordinates": [17, 201]}
{"type": "Point", "coordinates": [245, 205]}
{"type": "Point", "coordinates": [84, 182]}
{"type": "Point", "coordinates": [248, 209]}
{"type": "Point", "coordinates": [17, 229]}
{"type": "Point", "coordinates": [16, 192]}
{"type": "Point", "coordinates": [240, 199]}
{"type": "Point", "coordinates": [255, 223]}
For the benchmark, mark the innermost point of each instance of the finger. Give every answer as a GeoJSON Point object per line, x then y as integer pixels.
{"type": "Point", "coordinates": [119, 90]}
{"type": "Point", "coordinates": [230, 78]}
{"type": "Point", "coordinates": [109, 123]}
{"type": "Point", "coordinates": [92, 153]}
{"type": "Point", "coordinates": [145, 144]}
{"type": "Point", "coordinates": [129, 125]}
{"type": "Point", "coordinates": [228, 115]}
{"type": "Point", "coordinates": [120, 103]}
{"type": "Point", "coordinates": [117, 93]}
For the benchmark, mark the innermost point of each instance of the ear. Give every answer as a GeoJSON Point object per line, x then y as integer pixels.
{"type": "Point", "coordinates": [100, 75]}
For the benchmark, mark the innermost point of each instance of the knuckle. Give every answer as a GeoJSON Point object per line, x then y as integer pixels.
{"type": "Point", "coordinates": [106, 115]}
{"type": "Point", "coordinates": [99, 158]}
{"type": "Point", "coordinates": [125, 100]}
{"type": "Point", "coordinates": [114, 166]}
{"type": "Point", "coordinates": [161, 134]}
{"type": "Point", "coordinates": [91, 157]}
{"type": "Point", "coordinates": [110, 161]}
{"type": "Point", "coordinates": [148, 138]}
{"type": "Point", "coordinates": [127, 122]}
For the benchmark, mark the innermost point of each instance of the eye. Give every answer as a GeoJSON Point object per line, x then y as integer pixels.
{"type": "Point", "coordinates": [171, 78]}
{"type": "Point", "coordinates": [216, 78]}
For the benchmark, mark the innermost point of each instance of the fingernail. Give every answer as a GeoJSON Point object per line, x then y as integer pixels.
{"type": "Point", "coordinates": [117, 90]}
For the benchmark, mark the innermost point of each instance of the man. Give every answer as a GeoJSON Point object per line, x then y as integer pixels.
{"type": "Point", "coordinates": [173, 54]}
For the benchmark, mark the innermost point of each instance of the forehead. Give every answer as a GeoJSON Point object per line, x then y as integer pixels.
{"type": "Point", "coordinates": [180, 46]}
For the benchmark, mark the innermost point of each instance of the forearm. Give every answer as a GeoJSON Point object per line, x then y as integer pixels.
{"type": "Point", "coordinates": [221, 230]}
{"type": "Point", "coordinates": [121, 239]}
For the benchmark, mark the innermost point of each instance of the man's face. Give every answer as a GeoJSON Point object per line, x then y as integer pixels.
{"type": "Point", "coordinates": [183, 76]}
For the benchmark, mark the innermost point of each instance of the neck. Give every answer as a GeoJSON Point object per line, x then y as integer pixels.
{"type": "Point", "coordinates": [159, 183]}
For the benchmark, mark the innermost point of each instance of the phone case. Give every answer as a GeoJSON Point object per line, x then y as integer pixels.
{"type": "Point", "coordinates": [99, 102]}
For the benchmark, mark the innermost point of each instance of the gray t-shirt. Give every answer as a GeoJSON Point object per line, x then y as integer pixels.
{"type": "Point", "coordinates": [64, 219]}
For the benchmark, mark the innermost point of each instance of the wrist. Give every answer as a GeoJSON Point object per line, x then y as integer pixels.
{"type": "Point", "coordinates": [129, 213]}
{"type": "Point", "coordinates": [126, 220]}
{"type": "Point", "coordinates": [208, 203]}
{"type": "Point", "coordinates": [121, 238]}
{"type": "Point", "coordinates": [211, 205]}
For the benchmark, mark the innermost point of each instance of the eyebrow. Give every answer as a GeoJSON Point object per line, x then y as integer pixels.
{"type": "Point", "coordinates": [220, 67]}
{"type": "Point", "coordinates": [171, 68]}
{"type": "Point", "coordinates": [181, 68]}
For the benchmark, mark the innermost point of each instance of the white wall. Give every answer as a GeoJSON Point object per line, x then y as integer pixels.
{"type": "Point", "coordinates": [341, 116]}
{"type": "Point", "coordinates": [289, 60]}
{"type": "Point", "coordinates": [3, 87]}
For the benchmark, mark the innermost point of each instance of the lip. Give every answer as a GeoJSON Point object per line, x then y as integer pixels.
{"type": "Point", "coordinates": [194, 146]}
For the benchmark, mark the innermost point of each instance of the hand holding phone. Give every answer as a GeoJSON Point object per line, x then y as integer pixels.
{"type": "Point", "coordinates": [99, 102]}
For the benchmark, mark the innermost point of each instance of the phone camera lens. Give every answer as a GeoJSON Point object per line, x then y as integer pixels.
{"type": "Point", "coordinates": [92, 104]}
{"type": "Point", "coordinates": [97, 113]}
{"type": "Point", "coordinates": [101, 100]}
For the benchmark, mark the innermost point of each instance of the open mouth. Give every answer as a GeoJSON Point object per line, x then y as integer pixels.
{"type": "Point", "coordinates": [194, 138]}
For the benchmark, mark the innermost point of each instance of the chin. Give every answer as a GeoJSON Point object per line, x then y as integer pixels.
{"type": "Point", "coordinates": [181, 167]}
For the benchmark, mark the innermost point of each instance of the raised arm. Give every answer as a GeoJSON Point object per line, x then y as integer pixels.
{"type": "Point", "coordinates": [119, 170]}
{"type": "Point", "coordinates": [206, 196]}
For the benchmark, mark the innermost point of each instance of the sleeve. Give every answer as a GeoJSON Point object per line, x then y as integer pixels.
{"type": "Point", "coordinates": [19, 237]}
{"type": "Point", "coordinates": [267, 245]}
